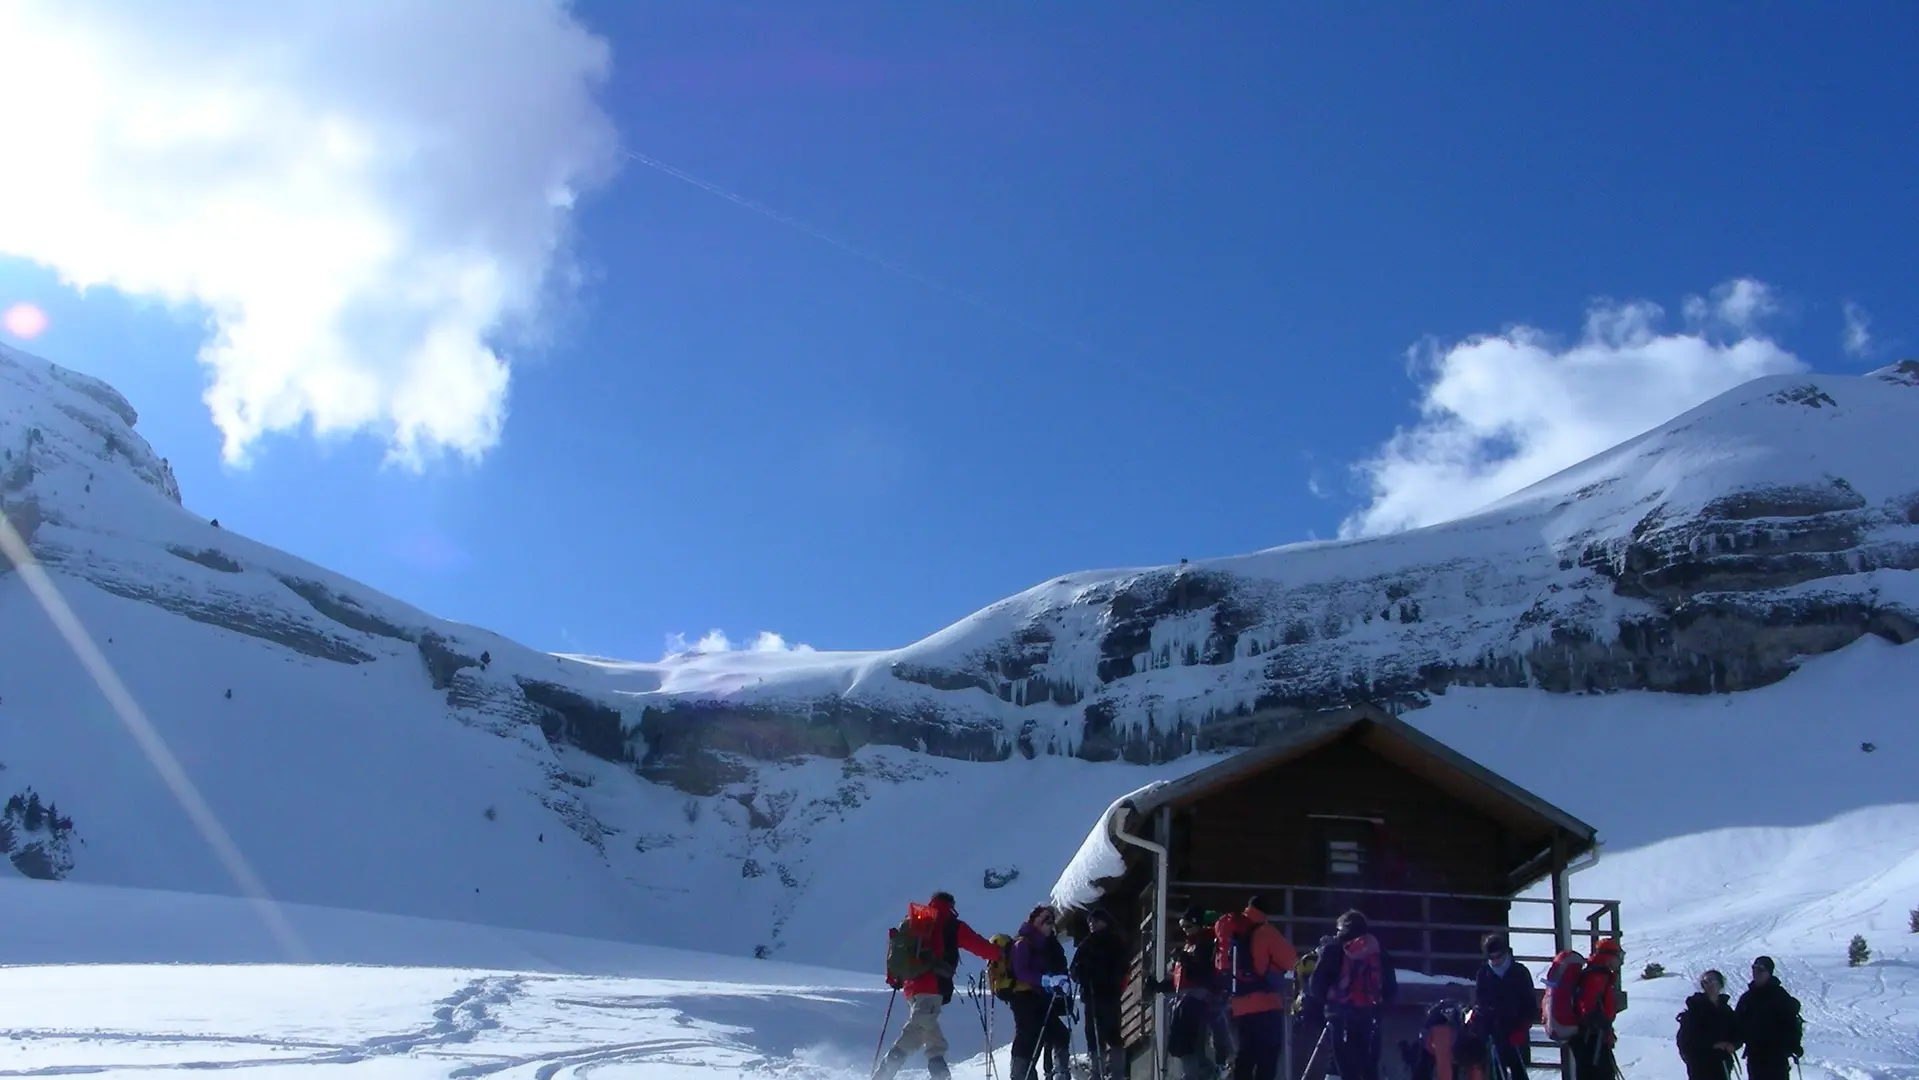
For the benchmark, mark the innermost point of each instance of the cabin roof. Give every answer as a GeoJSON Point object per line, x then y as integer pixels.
{"type": "Point", "coordinates": [1513, 807]}
{"type": "Point", "coordinates": [1391, 738]}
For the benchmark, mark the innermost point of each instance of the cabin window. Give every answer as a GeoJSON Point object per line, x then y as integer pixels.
{"type": "Point", "coordinates": [1345, 859]}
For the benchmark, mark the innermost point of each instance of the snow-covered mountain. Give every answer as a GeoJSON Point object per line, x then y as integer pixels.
{"type": "Point", "coordinates": [1713, 553]}
{"type": "Point", "coordinates": [364, 755]}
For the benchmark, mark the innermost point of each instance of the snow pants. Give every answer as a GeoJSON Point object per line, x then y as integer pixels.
{"type": "Point", "coordinates": [1262, 1037]}
{"type": "Point", "coordinates": [1356, 1043]}
{"type": "Point", "coordinates": [1592, 1058]}
{"type": "Point", "coordinates": [1769, 1067]}
{"type": "Point", "coordinates": [1039, 1023]}
{"type": "Point", "coordinates": [1103, 1043]}
{"type": "Point", "coordinates": [920, 1032]}
{"type": "Point", "coordinates": [1714, 1066]}
{"type": "Point", "coordinates": [1200, 1036]}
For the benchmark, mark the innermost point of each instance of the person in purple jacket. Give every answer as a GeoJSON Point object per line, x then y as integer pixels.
{"type": "Point", "coordinates": [1039, 1015]}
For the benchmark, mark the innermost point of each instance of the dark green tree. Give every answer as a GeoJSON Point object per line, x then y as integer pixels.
{"type": "Point", "coordinates": [1858, 952]}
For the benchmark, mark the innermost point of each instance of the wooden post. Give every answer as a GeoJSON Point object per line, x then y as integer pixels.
{"type": "Point", "coordinates": [1562, 927]}
{"type": "Point", "coordinates": [1286, 1030]}
{"type": "Point", "coordinates": [1426, 932]}
{"type": "Point", "coordinates": [1163, 870]}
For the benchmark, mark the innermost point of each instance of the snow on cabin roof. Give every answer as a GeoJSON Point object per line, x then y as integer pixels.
{"type": "Point", "coordinates": [1101, 860]}
{"type": "Point", "coordinates": [1098, 859]}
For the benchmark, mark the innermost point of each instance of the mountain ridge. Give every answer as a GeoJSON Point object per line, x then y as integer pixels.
{"type": "Point", "coordinates": [624, 800]}
{"type": "Point", "coordinates": [1705, 555]}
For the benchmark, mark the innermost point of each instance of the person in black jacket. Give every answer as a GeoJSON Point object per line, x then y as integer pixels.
{"type": "Point", "coordinates": [1099, 970]}
{"type": "Point", "coordinates": [1708, 1031]}
{"type": "Point", "coordinates": [1770, 1025]}
{"type": "Point", "coordinates": [1353, 980]}
{"type": "Point", "coordinates": [1505, 1008]}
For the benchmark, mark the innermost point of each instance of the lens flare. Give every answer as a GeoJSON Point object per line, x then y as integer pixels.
{"type": "Point", "coordinates": [24, 321]}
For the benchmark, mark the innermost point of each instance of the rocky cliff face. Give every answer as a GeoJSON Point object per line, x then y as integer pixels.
{"type": "Point", "coordinates": [1710, 555]}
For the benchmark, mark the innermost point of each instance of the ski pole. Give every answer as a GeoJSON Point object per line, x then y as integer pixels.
{"type": "Point", "coordinates": [880, 1048]}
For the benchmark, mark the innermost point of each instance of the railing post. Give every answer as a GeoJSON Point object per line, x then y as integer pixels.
{"type": "Point", "coordinates": [1426, 932]}
{"type": "Point", "coordinates": [1286, 1030]}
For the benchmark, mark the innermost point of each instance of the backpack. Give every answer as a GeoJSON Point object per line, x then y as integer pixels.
{"type": "Point", "coordinates": [1302, 976]}
{"type": "Point", "coordinates": [913, 947]}
{"type": "Point", "coordinates": [999, 971]}
{"type": "Point", "coordinates": [1246, 978]}
{"type": "Point", "coordinates": [1559, 1005]}
{"type": "Point", "coordinates": [1360, 983]}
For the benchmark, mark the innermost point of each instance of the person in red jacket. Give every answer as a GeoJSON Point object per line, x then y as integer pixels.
{"type": "Point", "coordinates": [928, 993]}
{"type": "Point", "coordinates": [1598, 1004]}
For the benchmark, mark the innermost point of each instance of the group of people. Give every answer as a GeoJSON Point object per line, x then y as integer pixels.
{"type": "Point", "coordinates": [1579, 1007]}
{"type": "Point", "coordinates": [1234, 981]}
{"type": "Point", "coordinates": [1231, 977]}
{"type": "Point", "coordinates": [1766, 1023]}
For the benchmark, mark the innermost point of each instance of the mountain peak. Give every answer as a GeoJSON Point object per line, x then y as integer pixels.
{"type": "Point", "coordinates": [63, 434]}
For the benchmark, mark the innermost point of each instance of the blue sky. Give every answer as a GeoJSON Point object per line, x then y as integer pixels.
{"type": "Point", "coordinates": [1247, 214]}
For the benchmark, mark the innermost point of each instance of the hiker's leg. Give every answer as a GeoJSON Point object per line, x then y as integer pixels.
{"type": "Point", "coordinates": [922, 1028]}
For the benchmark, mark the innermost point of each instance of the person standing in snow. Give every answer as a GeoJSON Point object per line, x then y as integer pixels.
{"type": "Point", "coordinates": [1058, 1045]}
{"type": "Point", "coordinates": [1039, 1013]}
{"type": "Point", "coordinates": [928, 993]}
{"type": "Point", "coordinates": [1254, 958]}
{"type": "Point", "coordinates": [1353, 979]}
{"type": "Point", "coordinates": [1099, 970]}
{"type": "Point", "coordinates": [1199, 1014]}
{"type": "Point", "coordinates": [1708, 1031]}
{"type": "Point", "coordinates": [1770, 1025]}
{"type": "Point", "coordinates": [1596, 1000]}
{"type": "Point", "coordinates": [1505, 1007]}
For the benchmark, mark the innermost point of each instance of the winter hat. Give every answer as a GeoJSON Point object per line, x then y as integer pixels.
{"type": "Point", "coordinates": [1258, 903]}
{"type": "Point", "coordinates": [1099, 915]}
{"type": "Point", "coordinates": [1194, 914]}
{"type": "Point", "coordinates": [1607, 947]}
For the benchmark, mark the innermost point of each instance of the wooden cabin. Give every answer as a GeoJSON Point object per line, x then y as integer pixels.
{"type": "Point", "coordinates": [1351, 808]}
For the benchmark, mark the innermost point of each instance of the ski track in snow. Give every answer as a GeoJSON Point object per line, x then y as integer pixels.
{"type": "Point", "coordinates": [507, 1026]}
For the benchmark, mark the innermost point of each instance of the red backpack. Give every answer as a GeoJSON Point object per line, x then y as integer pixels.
{"type": "Point", "coordinates": [1360, 976]}
{"type": "Point", "coordinates": [1559, 1005]}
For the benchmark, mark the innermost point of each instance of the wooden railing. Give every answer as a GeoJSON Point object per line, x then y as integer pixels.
{"type": "Point", "coordinates": [1600, 918]}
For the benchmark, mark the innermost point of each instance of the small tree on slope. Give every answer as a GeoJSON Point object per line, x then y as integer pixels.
{"type": "Point", "coordinates": [1857, 953]}
{"type": "Point", "coordinates": [1912, 921]}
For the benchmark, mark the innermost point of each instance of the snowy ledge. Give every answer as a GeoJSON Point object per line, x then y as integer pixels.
{"type": "Point", "coordinates": [1099, 859]}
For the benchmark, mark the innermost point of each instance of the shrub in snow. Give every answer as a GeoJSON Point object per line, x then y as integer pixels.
{"type": "Point", "coordinates": [36, 836]}
{"type": "Point", "coordinates": [1857, 953]}
{"type": "Point", "coordinates": [492, 814]}
{"type": "Point", "coordinates": [999, 879]}
{"type": "Point", "coordinates": [1653, 971]}
{"type": "Point", "coordinates": [1912, 921]}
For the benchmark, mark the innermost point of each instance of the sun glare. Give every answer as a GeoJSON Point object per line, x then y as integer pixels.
{"type": "Point", "coordinates": [24, 321]}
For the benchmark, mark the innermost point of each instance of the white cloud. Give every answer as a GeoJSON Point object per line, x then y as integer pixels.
{"type": "Point", "coordinates": [716, 641]}
{"type": "Point", "coordinates": [1501, 411]}
{"type": "Point", "coordinates": [1857, 338]}
{"type": "Point", "coordinates": [1739, 305]}
{"type": "Point", "coordinates": [364, 195]}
